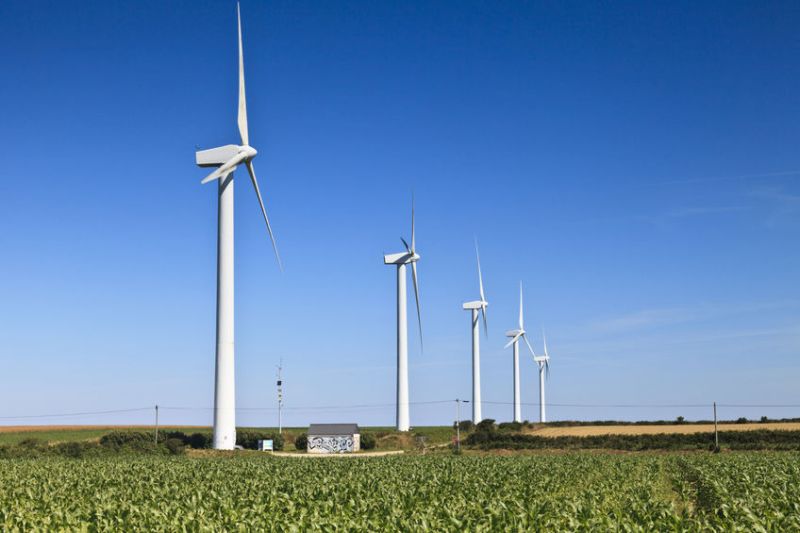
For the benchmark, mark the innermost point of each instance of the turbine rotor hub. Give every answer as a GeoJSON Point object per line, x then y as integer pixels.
{"type": "Point", "coordinates": [248, 150]}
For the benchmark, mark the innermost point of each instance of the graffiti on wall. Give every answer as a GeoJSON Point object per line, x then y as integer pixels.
{"type": "Point", "coordinates": [333, 444]}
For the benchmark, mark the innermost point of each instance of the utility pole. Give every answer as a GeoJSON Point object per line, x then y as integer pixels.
{"type": "Point", "coordinates": [458, 422]}
{"type": "Point", "coordinates": [280, 397]}
{"type": "Point", "coordinates": [156, 424]}
{"type": "Point", "coordinates": [716, 434]}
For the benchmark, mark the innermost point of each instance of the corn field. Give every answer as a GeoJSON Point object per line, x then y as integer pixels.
{"type": "Point", "coordinates": [566, 492]}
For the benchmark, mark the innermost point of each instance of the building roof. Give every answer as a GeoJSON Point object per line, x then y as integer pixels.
{"type": "Point", "coordinates": [333, 429]}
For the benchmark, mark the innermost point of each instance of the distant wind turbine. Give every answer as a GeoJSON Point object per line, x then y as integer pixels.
{"type": "Point", "coordinates": [475, 306]}
{"type": "Point", "coordinates": [410, 256]}
{"type": "Point", "coordinates": [227, 159]}
{"type": "Point", "coordinates": [515, 335]}
{"type": "Point", "coordinates": [544, 367]}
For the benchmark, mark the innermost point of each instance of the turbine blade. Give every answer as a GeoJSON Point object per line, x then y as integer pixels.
{"type": "Point", "coordinates": [544, 341]}
{"type": "Point", "coordinates": [529, 345]}
{"type": "Point", "coordinates": [413, 238]}
{"type": "Point", "coordinates": [521, 326]}
{"type": "Point", "coordinates": [242, 100]}
{"type": "Point", "coordinates": [408, 248]}
{"type": "Point", "coordinates": [264, 211]}
{"type": "Point", "coordinates": [546, 356]}
{"type": "Point", "coordinates": [217, 174]}
{"type": "Point", "coordinates": [480, 286]}
{"type": "Point", "coordinates": [416, 298]}
{"type": "Point", "coordinates": [512, 341]}
{"type": "Point", "coordinates": [225, 169]}
{"type": "Point", "coordinates": [480, 276]}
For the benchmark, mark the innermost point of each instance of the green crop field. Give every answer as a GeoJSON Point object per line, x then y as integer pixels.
{"type": "Point", "coordinates": [747, 491]}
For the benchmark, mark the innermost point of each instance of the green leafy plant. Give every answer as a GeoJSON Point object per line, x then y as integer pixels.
{"type": "Point", "coordinates": [367, 441]}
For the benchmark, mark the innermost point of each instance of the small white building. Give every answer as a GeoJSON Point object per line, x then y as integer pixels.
{"type": "Point", "coordinates": [333, 438]}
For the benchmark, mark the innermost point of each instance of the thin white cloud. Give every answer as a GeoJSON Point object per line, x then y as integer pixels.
{"type": "Point", "coordinates": [656, 317]}
{"type": "Point", "coordinates": [740, 177]}
{"type": "Point", "coordinates": [685, 212]}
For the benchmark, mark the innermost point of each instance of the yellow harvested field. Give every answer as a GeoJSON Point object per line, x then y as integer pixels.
{"type": "Point", "coordinates": [586, 431]}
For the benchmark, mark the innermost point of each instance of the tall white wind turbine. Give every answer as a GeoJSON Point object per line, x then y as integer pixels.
{"type": "Point", "coordinates": [474, 307]}
{"type": "Point", "coordinates": [516, 335]}
{"type": "Point", "coordinates": [227, 159]}
{"type": "Point", "coordinates": [401, 259]}
{"type": "Point", "coordinates": [544, 367]}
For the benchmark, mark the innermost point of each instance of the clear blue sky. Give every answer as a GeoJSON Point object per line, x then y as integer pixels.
{"type": "Point", "coordinates": [636, 164]}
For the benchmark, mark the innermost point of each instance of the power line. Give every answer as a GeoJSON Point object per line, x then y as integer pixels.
{"type": "Point", "coordinates": [311, 408]}
{"type": "Point", "coordinates": [392, 405]}
{"type": "Point", "coordinates": [77, 414]}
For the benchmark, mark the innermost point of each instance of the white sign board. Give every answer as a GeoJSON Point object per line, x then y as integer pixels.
{"type": "Point", "coordinates": [265, 445]}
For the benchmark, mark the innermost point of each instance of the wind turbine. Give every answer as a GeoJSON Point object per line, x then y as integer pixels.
{"type": "Point", "coordinates": [475, 306]}
{"type": "Point", "coordinates": [515, 335]}
{"type": "Point", "coordinates": [410, 256]}
{"type": "Point", "coordinates": [227, 159]}
{"type": "Point", "coordinates": [544, 366]}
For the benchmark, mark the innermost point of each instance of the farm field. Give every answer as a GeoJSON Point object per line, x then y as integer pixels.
{"type": "Point", "coordinates": [557, 492]}
{"type": "Point", "coordinates": [388, 438]}
{"type": "Point", "coordinates": [684, 429]}
{"type": "Point", "coordinates": [15, 434]}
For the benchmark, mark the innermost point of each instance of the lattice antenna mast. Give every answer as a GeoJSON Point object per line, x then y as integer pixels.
{"type": "Point", "coordinates": [280, 396]}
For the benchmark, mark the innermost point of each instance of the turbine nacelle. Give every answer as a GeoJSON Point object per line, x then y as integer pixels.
{"type": "Point", "coordinates": [515, 332]}
{"type": "Point", "coordinates": [214, 157]}
{"type": "Point", "coordinates": [401, 258]}
{"type": "Point", "coordinates": [476, 304]}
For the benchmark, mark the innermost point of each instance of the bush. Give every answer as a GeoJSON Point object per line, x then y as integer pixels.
{"type": "Point", "coordinates": [510, 426]}
{"type": "Point", "coordinates": [175, 446]}
{"type": "Point", "coordinates": [137, 442]}
{"type": "Point", "coordinates": [70, 449]}
{"type": "Point", "coordinates": [199, 441]}
{"type": "Point", "coordinates": [367, 441]}
{"type": "Point", "coordinates": [119, 439]}
{"type": "Point", "coordinates": [734, 440]}
{"type": "Point", "coordinates": [164, 436]}
{"type": "Point", "coordinates": [249, 439]}
{"type": "Point", "coordinates": [742, 420]}
{"type": "Point", "coordinates": [301, 442]}
{"type": "Point", "coordinates": [680, 420]}
{"type": "Point", "coordinates": [464, 425]}
{"type": "Point", "coordinates": [764, 419]}
{"type": "Point", "coordinates": [32, 444]}
{"type": "Point", "coordinates": [487, 424]}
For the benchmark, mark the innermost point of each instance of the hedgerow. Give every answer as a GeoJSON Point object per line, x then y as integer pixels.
{"type": "Point", "coordinates": [735, 440]}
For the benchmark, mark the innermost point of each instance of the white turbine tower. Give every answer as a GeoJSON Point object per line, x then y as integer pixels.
{"type": "Point", "coordinates": [401, 260]}
{"type": "Point", "coordinates": [544, 366]}
{"type": "Point", "coordinates": [227, 159]}
{"type": "Point", "coordinates": [474, 307]}
{"type": "Point", "coordinates": [515, 335]}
